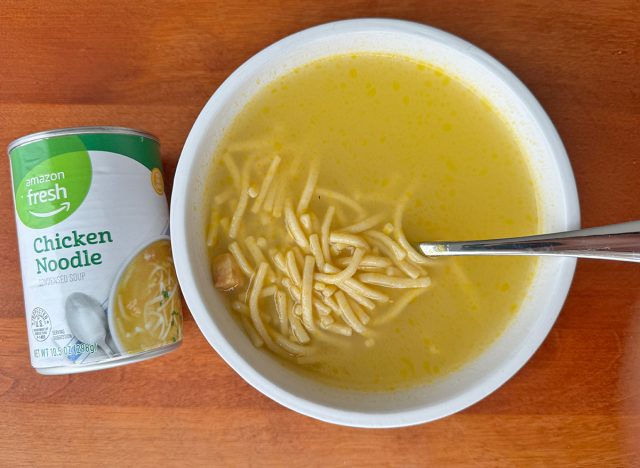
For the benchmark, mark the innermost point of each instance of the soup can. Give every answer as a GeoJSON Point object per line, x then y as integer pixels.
{"type": "Point", "coordinates": [100, 288]}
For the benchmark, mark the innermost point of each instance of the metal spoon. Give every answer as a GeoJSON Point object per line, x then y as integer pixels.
{"type": "Point", "coordinates": [87, 320]}
{"type": "Point", "coordinates": [614, 242]}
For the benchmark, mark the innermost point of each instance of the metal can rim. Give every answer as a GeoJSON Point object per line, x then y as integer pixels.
{"type": "Point", "coordinates": [30, 138]}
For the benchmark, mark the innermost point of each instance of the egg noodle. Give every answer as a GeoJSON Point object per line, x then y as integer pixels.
{"type": "Point", "coordinates": [317, 273]}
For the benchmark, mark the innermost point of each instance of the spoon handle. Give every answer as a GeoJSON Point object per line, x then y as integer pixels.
{"type": "Point", "coordinates": [106, 348]}
{"type": "Point", "coordinates": [614, 242]}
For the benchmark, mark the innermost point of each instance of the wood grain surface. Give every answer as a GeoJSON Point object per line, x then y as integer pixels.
{"type": "Point", "coordinates": [152, 65]}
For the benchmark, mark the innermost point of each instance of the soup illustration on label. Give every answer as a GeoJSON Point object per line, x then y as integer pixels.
{"type": "Point", "coordinates": [99, 283]}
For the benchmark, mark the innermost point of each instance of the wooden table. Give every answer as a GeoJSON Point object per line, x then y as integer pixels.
{"type": "Point", "coordinates": [152, 66]}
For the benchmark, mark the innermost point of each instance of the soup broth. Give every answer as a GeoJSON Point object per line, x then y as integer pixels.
{"type": "Point", "coordinates": [380, 130]}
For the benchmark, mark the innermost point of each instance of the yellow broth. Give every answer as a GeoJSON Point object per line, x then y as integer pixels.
{"type": "Point", "coordinates": [378, 125]}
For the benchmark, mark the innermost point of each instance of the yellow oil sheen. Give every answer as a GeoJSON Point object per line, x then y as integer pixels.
{"type": "Point", "coordinates": [378, 125]}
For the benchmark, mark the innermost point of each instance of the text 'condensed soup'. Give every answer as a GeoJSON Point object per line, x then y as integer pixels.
{"type": "Point", "coordinates": [99, 285]}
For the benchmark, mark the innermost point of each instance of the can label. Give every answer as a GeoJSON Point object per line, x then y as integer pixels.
{"type": "Point", "coordinates": [95, 255]}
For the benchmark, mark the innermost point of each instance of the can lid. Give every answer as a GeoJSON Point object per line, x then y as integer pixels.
{"type": "Point", "coordinates": [77, 131]}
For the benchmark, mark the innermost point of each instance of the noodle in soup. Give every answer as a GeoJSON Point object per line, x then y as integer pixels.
{"type": "Point", "coordinates": [318, 188]}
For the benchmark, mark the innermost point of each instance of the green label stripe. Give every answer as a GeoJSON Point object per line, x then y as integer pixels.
{"type": "Point", "coordinates": [144, 150]}
{"type": "Point", "coordinates": [24, 158]}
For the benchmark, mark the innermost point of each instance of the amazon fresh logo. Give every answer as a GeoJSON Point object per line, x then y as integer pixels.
{"type": "Point", "coordinates": [53, 189]}
{"type": "Point", "coordinates": [57, 193]}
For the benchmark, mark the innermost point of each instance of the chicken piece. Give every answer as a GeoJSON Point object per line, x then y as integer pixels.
{"type": "Point", "coordinates": [226, 273]}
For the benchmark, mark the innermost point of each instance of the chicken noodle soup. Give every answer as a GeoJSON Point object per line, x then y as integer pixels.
{"type": "Point", "coordinates": [87, 200]}
{"type": "Point", "coordinates": [146, 309]}
{"type": "Point", "coordinates": [318, 188]}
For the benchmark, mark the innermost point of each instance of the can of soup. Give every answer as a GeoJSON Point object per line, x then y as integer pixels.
{"type": "Point", "coordinates": [100, 289]}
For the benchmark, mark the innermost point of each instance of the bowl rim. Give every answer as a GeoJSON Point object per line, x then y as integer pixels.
{"type": "Point", "coordinates": [179, 234]}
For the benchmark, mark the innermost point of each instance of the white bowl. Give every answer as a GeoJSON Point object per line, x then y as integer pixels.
{"type": "Point", "coordinates": [558, 200]}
